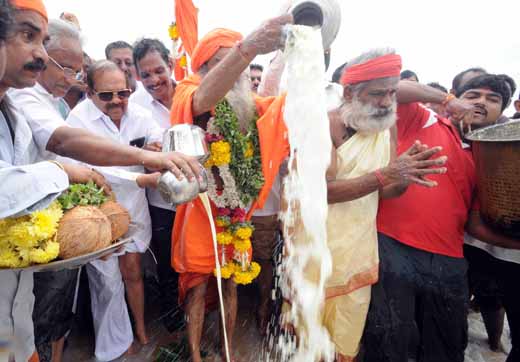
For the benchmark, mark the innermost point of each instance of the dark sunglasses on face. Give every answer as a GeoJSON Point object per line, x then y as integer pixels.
{"type": "Point", "coordinates": [108, 96]}
{"type": "Point", "coordinates": [256, 78]}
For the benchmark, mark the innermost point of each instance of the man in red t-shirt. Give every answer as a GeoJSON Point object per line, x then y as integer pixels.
{"type": "Point", "coordinates": [422, 276]}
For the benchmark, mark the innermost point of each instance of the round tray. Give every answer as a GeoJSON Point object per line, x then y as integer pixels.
{"type": "Point", "coordinates": [76, 262]}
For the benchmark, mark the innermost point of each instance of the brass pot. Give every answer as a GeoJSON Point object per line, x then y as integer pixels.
{"type": "Point", "coordinates": [496, 151]}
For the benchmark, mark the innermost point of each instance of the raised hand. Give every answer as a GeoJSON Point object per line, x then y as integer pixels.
{"type": "Point", "coordinates": [270, 36]}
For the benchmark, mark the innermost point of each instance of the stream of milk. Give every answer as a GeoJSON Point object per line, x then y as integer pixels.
{"type": "Point", "coordinates": [307, 264]}
{"type": "Point", "coordinates": [205, 201]}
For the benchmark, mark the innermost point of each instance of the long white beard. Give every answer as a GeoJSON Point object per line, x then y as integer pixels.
{"type": "Point", "coordinates": [241, 99]}
{"type": "Point", "coordinates": [367, 119]}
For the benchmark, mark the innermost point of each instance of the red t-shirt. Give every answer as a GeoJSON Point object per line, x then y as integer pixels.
{"type": "Point", "coordinates": [431, 219]}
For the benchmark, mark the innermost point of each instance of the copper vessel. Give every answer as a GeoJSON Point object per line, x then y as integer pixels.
{"type": "Point", "coordinates": [496, 151]}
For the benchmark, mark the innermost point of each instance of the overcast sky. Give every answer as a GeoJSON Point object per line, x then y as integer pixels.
{"type": "Point", "coordinates": [436, 39]}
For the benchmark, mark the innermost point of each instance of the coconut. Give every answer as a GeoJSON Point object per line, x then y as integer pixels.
{"type": "Point", "coordinates": [82, 230]}
{"type": "Point", "coordinates": [118, 216]}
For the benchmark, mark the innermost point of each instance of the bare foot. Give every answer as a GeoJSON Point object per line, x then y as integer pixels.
{"type": "Point", "coordinates": [132, 350]}
{"type": "Point", "coordinates": [142, 338]}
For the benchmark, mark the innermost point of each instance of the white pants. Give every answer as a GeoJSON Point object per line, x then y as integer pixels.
{"type": "Point", "coordinates": [109, 310]}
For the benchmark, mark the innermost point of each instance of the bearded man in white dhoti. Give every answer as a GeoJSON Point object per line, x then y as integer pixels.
{"type": "Point", "coordinates": [363, 170]}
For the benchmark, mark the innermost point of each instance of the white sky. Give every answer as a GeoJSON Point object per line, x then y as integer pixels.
{"type": "Point", "coordinates": [436, 39]}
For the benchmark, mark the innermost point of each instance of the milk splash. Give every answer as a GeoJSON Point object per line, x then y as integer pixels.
{"type": "Point", "coordinates": [307, 264]}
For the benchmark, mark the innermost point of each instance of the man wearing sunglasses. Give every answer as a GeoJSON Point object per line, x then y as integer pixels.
{"type": "Point", "coordinates": [107, 113]}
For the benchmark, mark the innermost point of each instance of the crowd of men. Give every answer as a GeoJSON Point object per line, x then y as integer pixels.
{"type": "Point", "coordinates": [410, 250]}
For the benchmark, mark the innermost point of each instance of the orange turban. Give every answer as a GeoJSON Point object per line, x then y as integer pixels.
{"type": "Point", "coordinates": [210, 44]}
{"type": "Point", "coordinates": [34, 5]}
{"type": "Point", "coordinates": [381, 67]}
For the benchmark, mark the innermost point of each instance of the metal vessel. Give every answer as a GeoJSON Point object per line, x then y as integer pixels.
{"type": "Point", "coordinates": [496, 151]}
{"type": "Point", "coordinates": [189, 140]}
{"type": "Point", "coordinates": [325, 14]}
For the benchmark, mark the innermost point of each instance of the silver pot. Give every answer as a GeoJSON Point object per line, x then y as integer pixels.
{"type": "Point", "coordinates": [325, 14]}
{"type": "Point", "coordinates": [176, 192]}
{"type": "Point", "coordinates": [191, 141]}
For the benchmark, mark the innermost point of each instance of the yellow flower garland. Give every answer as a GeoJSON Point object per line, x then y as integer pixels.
{"type": "Point", "coordinates": [244, 232]}
{"type": "Point", "coordinates": [224, 238]}
{"type": "Point", "coordinates": [220, 153]}
{"type": "Point", "coordinates": [242, 245]}
{"type": "Point", "coordinates": [246, 277]}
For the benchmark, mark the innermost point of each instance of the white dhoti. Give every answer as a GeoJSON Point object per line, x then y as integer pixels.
{"type": "Point", "coordinates": [112, 325]}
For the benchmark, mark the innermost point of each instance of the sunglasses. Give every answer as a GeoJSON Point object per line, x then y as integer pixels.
{"type": "Point", "coordinates": [256, 78]}
{"type": "Point", "coordinates": [108, 96]}
{"type": "Point", "coordinates": [68, 72]}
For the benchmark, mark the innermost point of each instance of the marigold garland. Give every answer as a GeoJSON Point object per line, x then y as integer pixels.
{"type": "Point", "coordinates": [237, 158]}
{"type": "Point", "coordinates": [30, 239]}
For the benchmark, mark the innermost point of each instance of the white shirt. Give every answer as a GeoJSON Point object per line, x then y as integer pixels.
{"type": "Point", "coordinates": [510, 255]}
{"type": "Point", "coordinates": [161, 116]}
{"type": "Point", "coordinates": [136, 123]}
{"type": "Point", "coordinates": [41, 110]}
{"type": "Point", "coordinates": [26, 187]}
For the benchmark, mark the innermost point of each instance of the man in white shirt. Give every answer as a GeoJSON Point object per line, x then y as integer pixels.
{"type": "Point", "coordinates": [54, 291]}
{"type": "Point", "coordinates": [154, 69]}
{"type": "Point", "coordinates": [107, 113]}
{"type": "Point", "coordinates": [27, 186]}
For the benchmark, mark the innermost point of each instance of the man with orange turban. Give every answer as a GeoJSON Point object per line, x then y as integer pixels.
{"type": "Point", "coordinates": [362, 170]}
{"type": "Point", "coordinates": [254, 141]}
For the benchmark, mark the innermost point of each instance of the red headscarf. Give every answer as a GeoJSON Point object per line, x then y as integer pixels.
{"type": "Point", "coordinates": [34, 5]}
{"type": "Point", "coordinates": [381, 67]}
{"type": "Point", "coordinates": [210, 44]}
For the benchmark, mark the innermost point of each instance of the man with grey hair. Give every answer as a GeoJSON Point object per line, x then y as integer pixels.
{"type": "Point", "coordinates": [362, 170]}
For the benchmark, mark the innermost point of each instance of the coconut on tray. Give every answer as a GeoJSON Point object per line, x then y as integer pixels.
{"type": "Point", "coordinates": [83, 220]}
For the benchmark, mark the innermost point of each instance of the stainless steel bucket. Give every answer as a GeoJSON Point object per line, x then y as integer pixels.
{"type": "Point", "coordinates": [496, 151]}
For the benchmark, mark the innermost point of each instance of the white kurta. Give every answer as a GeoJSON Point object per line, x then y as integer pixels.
{"type": "Point", "coordinates": [109, 309]}
{"type": "Point", "coordinates": [41, 110]}
{"type": "Point", "coordinates": [26, 186]}
{"type": "Point", "coordinates": [161, 116]}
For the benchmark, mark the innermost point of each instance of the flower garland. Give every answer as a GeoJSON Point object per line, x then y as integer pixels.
{"type": "Point", "coordinates": [30, 239]}
{"type": "Point", "coordinates": [237, 158]}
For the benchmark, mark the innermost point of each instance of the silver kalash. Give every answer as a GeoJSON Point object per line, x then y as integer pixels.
{"type": "Point", "coordinates": [189, 140]}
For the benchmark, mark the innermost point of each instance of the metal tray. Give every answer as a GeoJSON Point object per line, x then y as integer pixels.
{"type": "Point", "coordinates": [76, 262]}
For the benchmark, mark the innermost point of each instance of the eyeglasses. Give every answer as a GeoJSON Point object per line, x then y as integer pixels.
{"type": "Point", "coordinates": [69, 73]}
{"type": "Point", "coordinates": [108, 96]}
{"type": "Point", "coordinates": [256, 78]}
